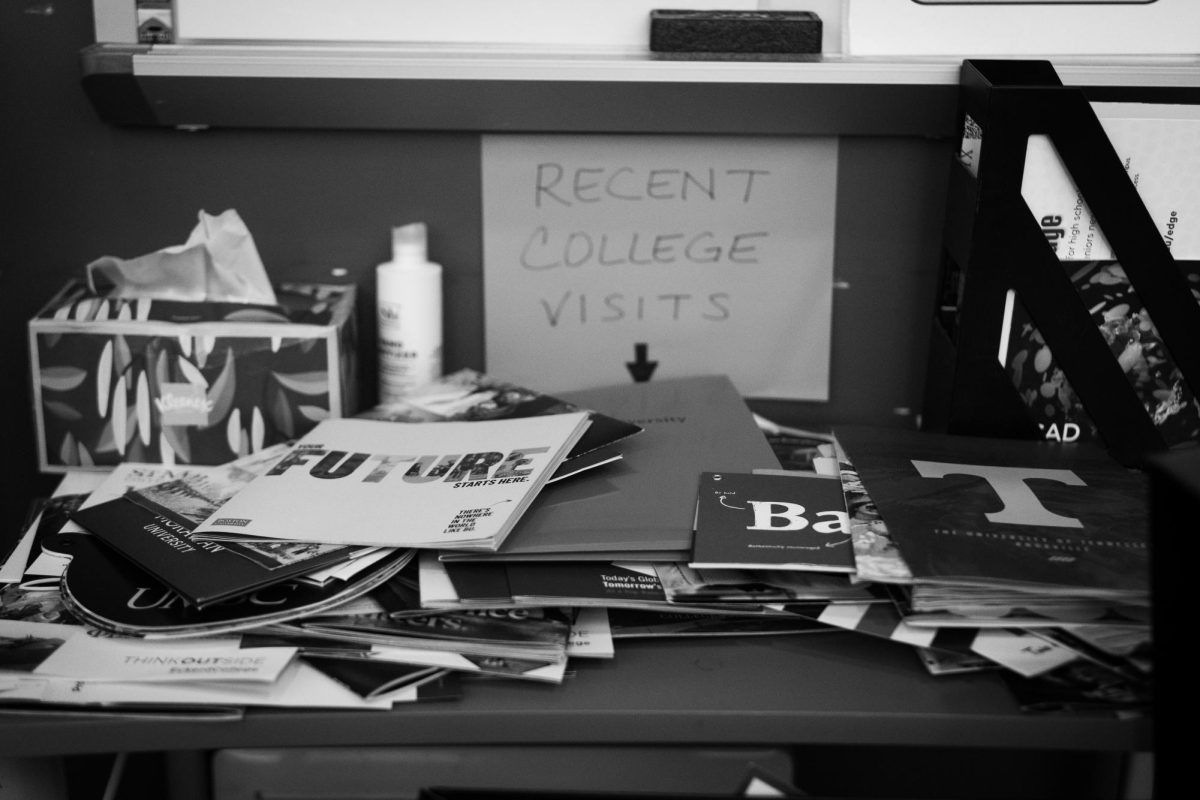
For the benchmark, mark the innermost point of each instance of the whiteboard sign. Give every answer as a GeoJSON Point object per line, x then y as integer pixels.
{"type": "Point", "coordinates": [623, 258]}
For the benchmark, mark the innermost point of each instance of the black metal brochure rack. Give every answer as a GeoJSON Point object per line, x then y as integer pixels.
{"type": "Point", "coordinates": [994, 244]}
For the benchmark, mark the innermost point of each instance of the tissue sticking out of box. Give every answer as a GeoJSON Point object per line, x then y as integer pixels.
{"type": "Point", "coordinates": [218, 262]}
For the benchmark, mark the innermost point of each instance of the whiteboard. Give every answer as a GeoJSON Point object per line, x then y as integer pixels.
{"type": "Point", "coordinates": [631, 257]}
{"type": "Point", "coordinates": [594, 23]}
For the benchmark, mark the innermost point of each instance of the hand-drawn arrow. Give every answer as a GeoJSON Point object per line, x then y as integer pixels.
{"type": "Point", "coordinates": [640, 369]}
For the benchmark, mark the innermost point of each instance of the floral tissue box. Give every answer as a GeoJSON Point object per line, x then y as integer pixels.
{"type": "Point", "coordinates": [187, 383]}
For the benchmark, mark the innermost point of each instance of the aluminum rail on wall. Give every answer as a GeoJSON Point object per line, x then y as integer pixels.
{"type": "Point", "coordinates": [493, 88]}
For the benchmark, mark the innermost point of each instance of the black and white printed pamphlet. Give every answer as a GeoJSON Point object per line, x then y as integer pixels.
{"type": "Point", "coordinates": [765, 521]}
{"type": "Point", "coordinates": [457, 485]}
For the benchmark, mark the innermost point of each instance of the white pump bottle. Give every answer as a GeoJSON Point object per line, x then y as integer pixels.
{"type": "Point", "coordinates": [409, 314]}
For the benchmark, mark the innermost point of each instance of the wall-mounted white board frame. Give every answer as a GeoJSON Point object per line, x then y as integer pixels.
{"type": "Point", "coordinates": [489, 86]}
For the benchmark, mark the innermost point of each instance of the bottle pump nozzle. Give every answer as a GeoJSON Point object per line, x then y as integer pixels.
{"type": "Point", "coordinates": [409, 244]}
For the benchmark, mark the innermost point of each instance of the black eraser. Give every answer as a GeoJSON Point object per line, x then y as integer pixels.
{"type": "Point", "coordinates": [735, 32]}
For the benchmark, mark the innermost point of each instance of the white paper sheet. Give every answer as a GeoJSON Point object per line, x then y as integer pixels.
{"type": "Point", "coordinates": [610, 256]}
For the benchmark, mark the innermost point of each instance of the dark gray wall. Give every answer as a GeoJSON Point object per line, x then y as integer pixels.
{"type": "Point", "coordinates": [75, 188]}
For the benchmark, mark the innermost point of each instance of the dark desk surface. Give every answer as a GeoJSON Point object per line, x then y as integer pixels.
{"type": "Point", "coordinates": [835, 688]}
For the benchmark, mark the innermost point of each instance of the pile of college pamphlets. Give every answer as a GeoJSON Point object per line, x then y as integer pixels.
{"type": "Point", "coordinates": [482, 529]}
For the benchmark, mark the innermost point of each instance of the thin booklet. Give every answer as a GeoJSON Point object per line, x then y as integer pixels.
{"type": "Point", "coordinates": [765, 521]}
{"type": "Point", "coordinates": [642, 507]}
{"type": "Point", "coordinates": [146, 512]}
{"type": "Point", "coordinates": [458, 485]}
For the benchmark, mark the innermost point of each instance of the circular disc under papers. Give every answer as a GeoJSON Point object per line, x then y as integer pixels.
{"type": "Point", "coordinates": [107, 591]}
